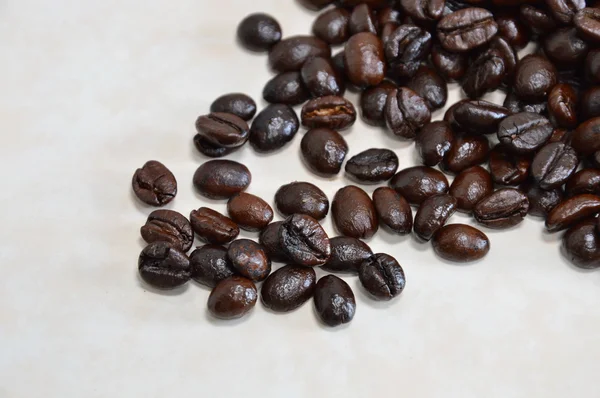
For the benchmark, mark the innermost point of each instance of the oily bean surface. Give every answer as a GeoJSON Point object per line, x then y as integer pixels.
{"type": "Point", "coordinates": [524, 132]}
{"type": "Point", "coordinates": [541, 201]}
{"type": "Point", "coordinates": [168, 226]}
{"type": "Point", "coordinates": [238, 104]}
{"type": "Point", "coordinates": [162, 266]}
{"type": "Point", "coordinates": [304, 241]}
{"type": "Point", "coordinates": [275, 126]}
{"type": "Point", "coordinates": [466, 29]}
{"type": "Point", "coordinates": [223, 129]}
{"type": "Point", "coordinates": [373, 165]}
{"type": "Point", "coordinates": [354, 213]}
{"type": "Point", "coordinates": [286, 88]}
{"type": "Point", "coordinates": [364, 59]}
{"type": "Point", "coordinates": [418, 183]}
{"type": "Point", "coordinates": [430, 86]}
{"type": "Point", "coordinates": [324, 150]}
{"type": "Point", "coordinates": [207, 148]}
{"type": "Point", "coordinates": [572, 210]}
{"type": "Point", "coordinates": [154, 184]}
{"type": "Point", "coordinates": [460, 243]}
{"type": "Point", "coordinates": [508, 168]}
{"type": "Point", "coordinates": [259, 32]}
{"type": "Point", "coordinates": [321, 78]}
{"type": "Point", "coordinates": [213, 227]}
{"type": "Point", "coordinates": [221, 179]}
{"type": "Point", "coordinates": [210, 265]}
{"type": "Point", "coordinates": [269, 240]}
{"type": "Point", "coordinates": [501, 209]}
{"type": "Point", "coordinates": [479, 117]}
{"type": "Point", "coordinates": [249, 259]}
{"type": "Point", "coordinates": [586, 138]}
{"type": "Point", "coordinates": [584, 181]}
{"type": "Point", "coordinates": [589, 103]}
{"type": "Point", "coordinates": [232, 298]}
{"type": "Point", "coordinates": [393, 210]}
{"type": "Point", "coordinates": [406, 113]}
{"type": "Point", "coordinates": [470, 186]}
{"type": "Point", "coordinates": [302, 198]}
{"type": "Point", "coordinates": [587, 23]}
{"type": "Point", "coordinates": [406, 48]}
{"type": "Point", "coordinates": [291, 53]}
{"type": "Point", "coordinates": [581, 245]}
{"type": "Point", "coordinates": [434, 141]}
{"type": "Point", "coordinates": [562, 106]}
{"type": "Point", "coordinates": [331, 112]}
{"type": "Point", "coordinates": [334, 301]}
{"type": "Point", "coordinates": [347, 254]}
{"type": "Point", "coordinates": [332, 27]}
{"type": "Point", "coordinates": [372, 103]}
{"type": "Point", "coordinates": [288, 288]}
{"type": "Point", "coordinates": [249, 211]}
{"type": "Point", "coordinates": [433, 214]}
{"type": "Point", "coordinates": [467, 150]}
{"type": "Point", "coordinates": [553, 165]}
{"type": "Point", "coordinates": [382, 276]}
{"type": "Point", "coordinates": [534, 78]}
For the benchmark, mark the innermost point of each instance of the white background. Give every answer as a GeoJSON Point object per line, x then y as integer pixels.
{"type": "Point", "coordinates": [89, 91]}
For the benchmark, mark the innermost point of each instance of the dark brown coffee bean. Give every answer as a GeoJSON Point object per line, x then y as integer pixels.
{"type": "Point", "coordinates": [584, 181]}
{"type": "Point", "coordinates": [586, 138]}
{"type": "Point", "coordinates": [565, 49]}
{"type": "Point", "coordinates": [209, 149]}
{"type": "Point", "coordinates": [570, 211]}
{"type": "Point", "coordinates": [466, 29]}
{"type": "Point", "coordinates": [434, 141]}
{"type": "Point", "coordinates": [288, 288]}
{"type": "Point", "coordinates": [353, 213]}
{"type": "Point", "coordinates": [382, 276]}
{"type": "Point", "coordinates": [259, 32]}
{"type": "Point", "coordinates": [564, 10]}
{"type": "Point", "coordinates": [249, 259]}
{"type": "Point", "coordinates": [540, 200]}
{"type": "Point", "coordinates": [347, 254]}
{"type": "Point", "coordinates": [364, 60]}
{"type": "Point", "coordinates": [581, 245]}
{"type": "Point", "coordinates": [238, 104]}
{"type": "Point", "coordinates": [223, 129]}
{"type": "Point", "coordinates": [508, 168]}
{"type": "Point", "coordinates": [590, 103]}
{"type": "Point", "coordinates": [485, 74]}
{"type": "Point", "coordinates": [332, 26]}
{"type": "Point", "coordinates": [479, 117]}
{"type": "Point", "coordinates": [324, 150]}
{"type": "Point", "coordinates": [210, 265]}
{"type": "Point", "coordinates": [534, 78]}
{"type": "Point", "coordinates": [286, 88]}
{"type": "Point", "coordinates": [562, 106]}
{"type": "Point", "coordinates": [291, 53]}
{"type": "Point", "coordinates": [321, 78]}
{"type": "Point", "coordinates": [232, 298]}
{"type": "Point", "coordinates": [328, 112]}
{"type": "Point", "coordinates": [316, 5]}
{"type": "Point", "coordinates": [362, 19]}
{"type": "Point", "coordinates": [433, 213]}
{"type": "Point", "coordinates": [393, 210]}
{"type": "Point", "coordinates": [423, 10]}
{"type": "Point", "coordinates": [388, 15]}
{"type": "Point", "coordinates": [302, 198]}
{"type": "Point", "coordinates": [387, 30]}
{"type": "Point", "coordinates": [269, 240]}
{"type": "Point", "coordinates": [213, 227]}
{"type": "Point", "coordinates": [249, 211]}
{"type": "Point", "coordinates": [162, 266]}
{"type": "Point", "coordinates": [587, 23]}
{"type": "Point", "coordinates": [373, 165]}
{"type": "Point", "coordinates": [460, 243]}
{"type": "Point", "coordinates": [372, 103]}
{"type": "Point", "coordinates": [452, 66]}
{"type": "Point", "coordinates": [560, 135]}
{"type": "Point", "coordinates": [339, 64]}
{"type": "Point", "coordinates": [467, 150]}
{"type": "Point", "coordinates": [406, 113]}
{"type": "Point", "coordinates": [334, 301]}
{"type": "Point", "coordinates": [275, 126]}
{"type": "Point", "coordinates": [429, 85]}
{"type": "Point", "coordinates": [304, 240]}
{"type": "Point", "coordinates": [524, 132]}
{"type": "Point", "coordinates": [470, 186]}
{"type": "Point", "coordinates": [507, 53]}
{"type": "Point", "coordinates": [538, 20]}
{"type": "Point", "coordinates": [504, 208]}
{"type": "Point", "coordinates": [406, 48]}
{"type": "Point", "coordinates": [154, 184]}
{"type": "Point", "coordinates": [553, 165]}
{"type": "Point", "coordinates": [168, 226]}
{"type": "Point", "coordinates": [516, 105]}
{"type": "Point", "coordinates": [221, 179]}
{"type": "Point", "coordinates": [418, 183]}
{"type": "Point", "coordinates": [515, 32]}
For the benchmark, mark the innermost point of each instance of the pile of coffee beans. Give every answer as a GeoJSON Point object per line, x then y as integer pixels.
{"type": "Point", "coordinates": [538, 153]}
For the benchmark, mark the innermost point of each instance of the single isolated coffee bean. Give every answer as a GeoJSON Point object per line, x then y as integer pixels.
{"type": "Point", "coordinates": [586, 138]}
{"type": "Point", "coordinates": [382, 276]}
{"type": "Point", "coordinates": [553, 165]}
{"type": "Point", "coordinates": [372, 102]}
{"type": "Point", "coordinates": [223, 129]}
{"type": "Point", "coordinates": [406, 48]}
{"type": "Point", "coordinates": [249, 211]}
{"type": "Point", "coordinates": [259, 32]}
{"type": "Point", "coordinates": [304, 241]}
{"type": "Point", "coordinates": [418, 183]}
{"type": "Point", "coordinates": [430, 86]}
{"type": "Point", "coordinates": [334, 301]}
{"type": "Point", "coordinates": [275, 126]}
{"type": "Point", "coordinates": [364, 59]}
{"type": "Point", "coordinates": [324, 150]}
{"type": "Point", "coordinates": [154, 184]}
{"type": "Point", "coordinates": [321, 78]}
{"type": "Point", "coordinates": [332, 26]}
{"type": "Point", "coordinates": [534, 78]}
{"type": "Point", "coordinates": [302, 198]}
{"type": "Point", "coordinates": [347, 254]}
{"type": "Point", "coordinates": [508, 168]}
{"type": "Point", "coordinates": [460, 243]}
{"type": "Point", "coordinates": [362, 19]}
{"type": "Point", "coordinates": [168, 226]}
{"type": "Point", "coordinates": [249, 259]}
{"type": "Point", "coordinates": [572, 210]}
{"type": "Point", "coordinates": [434, 141]}
{"type": "Point", "coordinates": [504, 208]}
{"type": "Point", "coordinates": [213, 227]}
{"type": "Point", "coordinates": [238, 104]}
{"type": "Point", "coordinates": [466, 29]}
{"type": "Point", "coordinates": [207, 148]}
{"type": "Point", "coordinates": [562, 106]}
{"type": "Point", "coordinates": [470, 186]}
{"type": "Point", "coordinates": [286, 88]}
{"type": "Point", "coordinates": [232, 298]}
{"type": "Point", "coordinates": [451, 65]}
{"type": "Point", "coordinates": [162, 266]}
{"type": "Point", "coordinates": [353, 213]}
{"type": "Point", "coordinates": [581, 245]}
{"type": "Point", "coordinates": [210, 265]}
{"type": "Point", "coordinates": [221, 179]}
{"type": "Point", "coordinates": [485, 74]}
{"type": "Point", "coordinates": [269, 240]}
{"type": "Point", "coordinates": [479, 117]}
{"type": "Point", "coordinates": [467, 150]}
{"type": "Point", "coordinates": [406, 113]}
{"type": "Point", "coordinates": [328, 112]}
{"type": "Point", "coordinates": [540, 200]}
{"type": "Point", "coordinates": [584, 181]}
{"type": "Point", "coordinates": [393, 210]}
{"type": "Point", "coordinates": [373, 165]}
{"type": "Point", "coordinates": [587, 23]}
{"type": "Point", "coordinates": [590, 103]}
{"type": "Point", "coordinates": [433, 214]}
{"type": "Point", "coordinates": [291, 53]}
{"type": "Point", "coordinates": [524, 132]}
{"type": "Point", "coordinates": [565, 49]}
{"type": "Point", "coordinates": [288, 288]}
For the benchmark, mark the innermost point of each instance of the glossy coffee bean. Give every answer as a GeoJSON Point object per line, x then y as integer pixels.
{"type": "Point", "coordinates": [223, 129]}
{"type": "Point", "coordinates": [470, 186]}
{"type": "Point", "coordinates": [210, 265]}
{"type": "Point", "coordinates": [362, 19]}
{"type": "Point", "coordinates": [406, 48]}
{"type": "Point", "coordinates": [249, 211]}
{"type": "Point", "coordinates": [387, 30]}
{"type": "Point", "coordinates": [560, 135]}
{"type": "Point", "coordinates": [304, 241]}
{"type": "Point", "coordinates": [221, 179]}
{"type": "Point", "coordinates": [291, 53]}
{"type": "Point", "coordinates": [162, 266]}
{"type": "Point", "coordinates": [516, 105]}
{"type": "Point", "coordinates": [388, 15]}
{"type": "Point", "coordinates": [587, 23]}
{"type": "Point", "coordinates": [249, 259]}
{"type": "Point", "coordinates": [466, 29]}
{"type": "Point", "coordinates": [406, 113]}
{"type": "Point", "coordinates": [347, 254]}
{"type": "Point", "coordinates": [429, 85]}
{"type": "Point", "coordinates": [564, 10]}
{"type": "Point", "coordinates": [508, 168]}
{"type": "Point", "coordinates": [508, 54]}
{"type": "Point", "coordinates": [562, 106]}
{"type": "Point", "coordinates": [275, 126]}
{"type": "Point", "coordinates": [479, 117]}
{"type": "Point", "coordinates": [423, 10]}
{"type": "Point", "coordinates": [353, 213]}
{"type": "Point", "coordinates": [324, 150]}
{"type": "Point", "coordinates": [534, 78]}
{"type": "Point", "coordinates": [316, 5]}
{"type": "Point", "coordinates": [259, 32]}
{"type": "Point", "coordinates": [393, 210]}
{"type": "Point", "coordinates": [286, 88]}
{"type": "Point", "coordinates": [331, 112]}
{"type": "Point", "coordinates": [540, 200]}
{"type": "Point", "coordinates": [460, 243]}
{"type": "Point", "coordinates": [553, 165]}
{"type": "Point", "coordinates": [584, 181]}
{"type": "Point", "coordinates": [538, 19]}
{"type": "Point", "coordinates": [213, 227]}
{"type": "Point", "coordinates": [321, 78]}
{"type": "Point", "coordinates": [565, 49]}
{"type": "Point", "coordinates": [433, 214]}
{"type": "Point", "coordinates": [288, 288]}
{"type": "Point", "coordinates": [207, 148]}
{"type": "Point", "coordinates": [451, 65]}
{"type": "Point", "coordinates": [302, 198]}
{"type": "Point", "coordinates": [364, 59]}
{"type": "Point", "coordinates": [590, 103]}
{"type": "Point", "coordinates": [238, 104]}
{"type": "Point", "coordinates": [334, 301]}
{"type": "Point", "coordinates": [168, 226]}
{"type": "Point", "coordinates": [332, 26]}
{"type": "Point", "coordinates": [232, 298]}
{"type": "Point", "coordinates": [418, 183]}
{"type": "Point", "coordinates": [467, 150]}
{"type": "Point", "coordinates": [154, 184]}
{"type": "Point", "coordinates": [269, 240]}
{"type": "Point", "coordinates": [524, 132]}
{"type": "Point", "coordinates": [372, 103]}
{"type": "Point", "coordinates": [484, 74]}
{"type": "Point", "coordinates": [592, 66]}
{"type": "Point", "coordinates": [373, 165]}
{"type": "Point", "coordinates": [339, 64]}
{"type": "Point", "coordinates": [513, 30]}
{"type": "Point", "coordinates": [501, 209]}
{"type": "Point", "coordinates": [434, 141]}
{"type": "Point", "coordinates": [572, 210]}
{"type": "Point", "coordinates": [586, 138]}
{"type": "Point", "coordinates": [382, 276]}
{"type": "Point", "coordinates": [581, 245]}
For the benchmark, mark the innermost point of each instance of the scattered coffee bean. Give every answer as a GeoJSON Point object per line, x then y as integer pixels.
{"type": "Point", "coordinates": [584, 181]}
{"type": "Point", "coordinates": [223, 129]}
{"type": "Point", "coordinates": [537, 19]}
{"type": "Point", "coordinates": [362, 19]}
{"type": "Point", "coordinates": [304, 241]}
{"type": "Point", "coordinates": [393, 210]}
{"type": "Point", "coordinates": [332, 26]}
{"type": "Point", "coordinates": [562, 106]}
{"type": "Point", "coordinates": [259, 32]}
{"type": "Point", "coordinates": [269, 240]}
{"type": "Point", "coordinates": [353, 213]}
{"type": "Point", "coordinates": [168, 226]}
{"type": "Point", "coordinates": [364, 59]}
{"type": "Point", "coordinates": [430, 86]}
{"type": "Point", "coordinates": [592, 66]}
{"type": "Point", "coordinates": [534, 78]}
{"type": "Point", "coordinates": [291, 53]}
{"type": "Point", "coordinates": [564, 10]}
{"type": "Point", "coordinates": [587, 23]}
{"type": "Point", "coordinates": [302, 198]}
{"type": "Point", "coordinates": [524, 132]}
{"type": "Point", "coordinates": [513, 30]}
{"type": "Point", "coordinates": [406, 48]}
{"type": "Point", "coordinates": [210, 265]}
{"type": "Point", "coordinates": [479, 117]}
{"type": "Point", "coordinates": [373, 165]}
{"type": "Point", "coordinates": [466, 29]}
{"type": "Point", "coordinates": [460, 243]}
{"type": "Point", "coordinates": [540, 200]}
{"type": "Point", "coordinates": [288, 288]}
{"type": "Point", "coordinates": [553, 165]}
{"type": "Point", "coordinates": [213, 227]}
{"type": "Point", "coordinates": [586, 138]}
{"type": "Point", "coordinates": [418, 183]}
{"type": "Point", "coordinates": [334, 301]}
{"type": "Point", "coordinates": [347, 254]}
{"type": "Point", "coordinates": [382, 276]}
{"type": "Point", "coordinates": [238, 104]}
{"type": "Point", "coordinates": [581, 244]}
{"type": "Point", "coordinates": [433, 214]}
{"type": "Point", "coordinates": [570, 211]}
{"type": "Point", "coordinates": [434, 141]}
{"type": "Point", "coordinates": [328, 112]}
{"type": "Point", "coordinates": [154, 184]}
{"type": "Point", "coordinates": [249, 259]}
{"type": "Point", "coordinates": [406, 113]}
{"type": "Point", "coordinates": [467, 150]}
{"type": "Point", "coordinates": [321, 78]}
{"type": "Point", "coordinates": [286, 88]}
{"type": "Point", "coordinates": [508, 168]}
{"type": "Point", "coordinates": [451, 65]}
{"type": "Point", "coordinates": [470, 186]}
{"type": "Point", "coordinates": [565, 49]}
{"type": "Point", "coordinates": [589, 103]}
{"type": "Point", "coordinates": [221, 179]}
{"type": "Point", "coordinates": [372, 103]}
{"type": "Point", "coordinates": [162, 266]}
{"type": "Point", "coordinates": [484, 74]}
{"type": "Point", "coordinates": [249, 211]}
{"type": "Point", "coordinates": [423, 10]}
{"type": "Point", "coordinates": [232, 298]}
{"type": "Point", "coordinates": [275, 126]}
{"type": "Point", "coordinates": [504, 208]}
{"type": "Point", "coordinates": [207, 148]}
{"type": "Point", "coordinates": [324, 150]}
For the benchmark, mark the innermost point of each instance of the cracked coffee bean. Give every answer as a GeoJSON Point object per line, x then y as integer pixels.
{"type": "Point", "coordinates": [406, 113]}
{"type": "Point", "coordinates": [331, 112]}
{"type": "Point", "coordinates": [382, 276]}
{"type": "Point", "coordinates": [223, 129]}
{"type": "Point", "coordinates": [168, 226]}
{"type": "Point", "coordinates": [504, 208]}
{"type": "Point", "coordinates": [304, 241]}
{"type": "Point", "coordinates": [347, 254]}
{"type": "Point", "coordinates": [210, 265]}
{"type": "Point", "coordinates": [154, 184]}
{"type": "Point", "coordinates": [164, 267]}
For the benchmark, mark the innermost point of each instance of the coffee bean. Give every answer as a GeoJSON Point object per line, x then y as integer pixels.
{"type": "Point", "coordinates": [586, 138]}
{"type": "Point", "coordinates": [534, 78]}
{"type": "Point", "coordinates": [570, 211]}
{"type": "Point", "coordinates": [562, 106]}
{"type": "Point", "coordinates": [364, 59]}
{"type": "Point", "coordinates": [210, 265]}
{"type": "Point", "coordinates": [451, 65]}
{"type": "Point", "coordinates": [321, 78]}
{"type": "Point", "coordinates": [316, 5]}
{"type": "Point", "coordinates": [269, 240]}
{"type": "Point", "coordinates": [362, 19]}
{"type": "Point", "coordinates": [565, 49]}
{"type": "Point", "coordinates": [485, 74]}
{"type": "Point", "coordinates": [426, 11]}
{"type": "Point", "coordinates": [302, 198]}
{"type": "Point", "coordinates": [288, 288]}
{"type": "Point", "coordinates": [516, 105]}
{"type": "Point", "coordinates": [584, 181]}
{"type": "Point", "coordinates": [213, 227]}
{"type": "Point", "coordinates": [324, 150]}
{"type": "Point", "coordinates": [339, 64]}
{"type": "Point", "coordinates": [406, 113]}
{"type": "Point", "coordinates": [467, 150]}
{"type": "Point", "coordinates": [587, 23]}
{"type": "Point", "coordinates": [418, 183]}
{"type": "Point", "coordinates": [221, 179]}
{"type": "Point", "coordinates": [513, 30]}
{"type": "Point", "coordinates": [372, 103]}
{"type": "Point", "coordinates": [373, 165]}
{"type": "Point", "coordinates": [232, 298]}
{"type": "Point", "coordinates": [388, 15]}
{"type": "Point", "coordinates": [460, 243]}
{"type": "Point", "coordinates": [508, 54]}
{"type": "Point", "coordinates": [434, 141]}
{"type": "Point", "coordinates": [470, 186]}
{"type": "Point", "coordinates": [504, 208]}
{"type": "Point", "coordinates": [590, 103]}
{"type": "Point", "coordinates": [524, 132]}
{"type": "Point", "coordinates": [353, 213]}
{"type": "Point", "coordinates": [249, 211]}
{"type": "Point", "coordinates": [540, 200]}
{"type": "Point", "coordinates": [406, 48]}
{"type": "Point", "coordinates": [479, 117]}
{"type": "Point", "coordinates": [560, 135]}
{"type": "Point", "coordinates": [275, 126]}
{"type": "Point", "coordinates": [291, 53]}
{"type": "Point", "coordinates": [564, 10]}
{"type": "Point", "coordinates": [386, 31]}
{"type": "Point", "coordinates": [332, 26]}
{"type": "Point", "coordinates": [223, 129]}
{"type": "Point", "coordinates": [433, 213]}
{"type": "Point", "coordinates": [259, 32]}
{"type": "Point", "coordinates": [347, 254]}
{"type": "Point", "coordinates": [429, 85]}
{"type": "Point", "coordinates": [238, 104]}
{"type": "Point", "coordinates": [249, 259]}
{"type": "Point", "coordinates": [207, 148]}
{"type": "Point", "coordinates": [466, 29]}
{"type": "Point", "coordinates": [162, 266]}
{"type": "Point", "coordinates": [334, 301]}
{"type": "Point", "coordinates": [553, 165]}
{"type": "Point", "coordinates": [537, 19]}
{"type": "Point", "coordinates": [393, 210]}
{"type": "Point", "coordinates": [581, 245]}
{"type": "Point", "coordinates": [286, 88]}
{"type": "Point", "coordinates": [304, 241]}
{"type": "Point", "coordinates": [382, 277]}
{"type": "Point", "coordinates": [168, 226]}
{"type": "Point", "coordinates": [154, 184]}
{"type": "Point", "coordinates": [508, 168]}
{"type": "Point", "coordinates": [328, 112]}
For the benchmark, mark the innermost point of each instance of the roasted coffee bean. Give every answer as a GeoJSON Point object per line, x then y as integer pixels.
{"type": "Point", "coordinates": [168, 226]}
{"type": "Point", "coordinates": [221, 179]}
{"type": "Point", "coordinates": [334, 301]}
{"type": "Point", "coordinates": [316, 4]}
{"type": "Point", "coordinates": [581, 245]}
{"type": "Point", "coordinates": [213, 227]}
{"type": "Point", "coordinates": [590, 103]}
{"type": "Point", "coordinates": [324, 150]}
{"type": "Point", "coordinates": [560, 135]}
{"type": "Point", "coordinates": [537, 19]}
{"type": "Point", "coordinates": [321, 78]}
{"type": "Point", "coordinates": [479, 117]}
{"type": "Point", "coordinates": [516, 105]}
{"type": "Point", "coordinates": [339, 64]}
{"type": "Point", "coordinates": [291, 53]}
{"type": "Point", "coordinates": [449, 115]}
{"type": "Point", "coordinates": [460, 243]}
{"type": "Point", "coordinates": [553, 165]}
{"type": "Point", "coordinates": [564, 10]}
{"type": "Point", "coordinates": [515, 32]}
{"type": "Point", "coordinates": [249, 211]}
{"type": "Point", "coordinates": [362, 19]}
{"type": "Point", "coordinates": [452, 66]}
{"type": "Point", "coordinates": [595, 159]}
{"type": "Point", "coordinates": [508, 55]}
{"type": "Point", "coordinates": [562, 106]}
{"type": "Point", "coordinates": [223, 129]}
{"type": "Point", "coordinates": [570, 211]}
{"type": "Point", "coordinates": [275, 126]}
{"type": "Point", "coordinates": [373, 165]}
{"type": "Point", "coordinates": [387, 30]}
{"type": "Point", "coordinates": [423, 10]}
{"type": "Point", "coordinates": [238, 104]}
{"type": "Point", "coordinates": [406, 48]}
{"type": "Point", "coordinates": [406, 113]}
{"type": "Point", "coordinates": [259, 32]}
{"type": "Point", "coordinates": [584, 181]}
{"type": "Point", "coordinates": [470, 186]}
{"type": "Point", "coordinates": [304, 241]}
{"type": "Point", "coordinates": [364, 59]}
{"type": "Point", "coordinates": [434, 141]}
{"type": "Point", "coordinates": [524, 132]}
{"type": "Point", "coordinates": [382, 276]}
{"type": "Point", "coordinates": [210, 265]}
{"type": "Point", "coordinates": [288, 288]}
{"type": "Point", "coordinates": [209, 149]}
{"type": "Point", "coordinates": [347, 254]}
{"type": "Point", "coordinates": [429, 85]}
{"type": "Point", "coordinates": [154, 184]}
{"type": "Point", "coordinates": [388, 15]}
{"type": "Point", "coordinates": [393, 210]}
{"type": "Point", "coordinates": [534, 78]}
{"type": "Point", "coordinates": [467, 150]}
{"type": "Point", "coordinates": [332, 26]}
{"type": "Point", "coordinates": [269, 240]}
{"type": "Point", "coordinates": [586, 138]}
{"type": "Point", "coordinates": [433, 213]}
{"type": "Point", "coordinates": [466, 29]}
{"type": "Point", "coordinates": [372, 103]}
{"type": "Point", "coordinates": [540, 200]}
{"type": "Point", "coordinates": [418, 183]}
{"type": "Point", "coordinates": [302, 198]}
{"type": "Point", "coordinates": [353, 213]}
{"type": "Point", "coordinates": [504, 208]}
{"type": "Point", "coordinates": [587, 23]}
{"type": "Point", "coordinates": [162, 266]}
{"type": "Point", "coordinates": [508, 168]}
{"type": "Point", "coordinates": [565, 49]}
{"type": "Point", "coordinates": [249, 259]}
{"type": "Point", "coordinates": [232, 298]}
{"type": "Point", "coordinates": [486, 73]}
{"type": "Point", "coordinates": [331, 112]}
{"type": "Point", "coordinates": [286, 88]}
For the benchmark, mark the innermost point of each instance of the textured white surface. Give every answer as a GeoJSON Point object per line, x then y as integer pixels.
{"type": "Point", "coordinates": [90, 90]}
